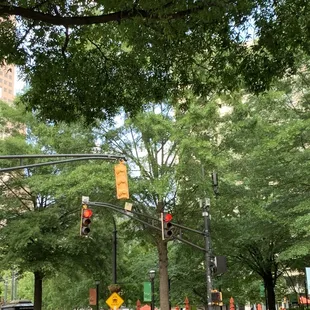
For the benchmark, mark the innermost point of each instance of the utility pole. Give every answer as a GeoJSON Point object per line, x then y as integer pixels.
{"type": "Point", "coordinates": [97, 294]}
{"type": "Point", "coordinates": [205, 205]}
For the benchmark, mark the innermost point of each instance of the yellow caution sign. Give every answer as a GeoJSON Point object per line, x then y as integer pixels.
{"type": "Point", "coordinates": [114, 301]}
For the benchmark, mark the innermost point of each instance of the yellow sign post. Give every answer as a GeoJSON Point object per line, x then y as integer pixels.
{"type": "Point", "coordinates": [114, 301]}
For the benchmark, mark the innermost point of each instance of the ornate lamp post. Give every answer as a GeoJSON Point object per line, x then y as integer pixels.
{"type": "Point", "coordinates": [152, 277]}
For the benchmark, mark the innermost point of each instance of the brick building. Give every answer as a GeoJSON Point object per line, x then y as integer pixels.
{"type": "Point", "coordinates": [7, 78]}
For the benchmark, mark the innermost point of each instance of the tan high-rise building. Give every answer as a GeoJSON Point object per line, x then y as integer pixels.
{"type": "Point", "coordinates": [7, 94]}
{"type": "Point", "coordinates": [7, 77]}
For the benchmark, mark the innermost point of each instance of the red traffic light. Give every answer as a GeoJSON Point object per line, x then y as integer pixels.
{"type": "Point", "coordinates": [87, 213]}
{"type": "Point", "coordinates": [168, 217]}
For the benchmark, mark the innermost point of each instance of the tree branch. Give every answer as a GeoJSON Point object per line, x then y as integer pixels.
{"type": "Point", "coordinates": [30, 13]}
{"type": "Point", "coordinates": [66, 42]}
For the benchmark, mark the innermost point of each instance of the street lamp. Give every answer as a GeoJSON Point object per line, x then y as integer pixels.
{"type": "Point", "coordinates": [97, 294]}
{"type": "Point", "coordinates": [205, 204]}
{"type": "Point", "coordinates": [152, 277]}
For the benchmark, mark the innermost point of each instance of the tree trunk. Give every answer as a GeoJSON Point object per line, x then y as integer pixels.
{"type": "Point", "coordinates": [38, 276]}
{"type": "Point", "coordinates": [269, 288]}
{"type": "Point", "coordinates": [163, 274]}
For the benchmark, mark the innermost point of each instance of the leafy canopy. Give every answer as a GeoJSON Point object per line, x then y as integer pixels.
{"type": "Point", "coordinates": [91, 58]}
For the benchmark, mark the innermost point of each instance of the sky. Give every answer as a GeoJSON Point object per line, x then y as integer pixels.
{"type": "Point", "coordinates": [19, 84]}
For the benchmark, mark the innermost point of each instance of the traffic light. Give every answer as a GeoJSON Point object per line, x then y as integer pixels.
{"type": "Point", "coordinates": [216, 297]}
{"type": "Point", "coordinates": [213, 264]}
{"type": "Point", "coordinates": [121, 179]}
{"type": "Point", "coordinates": [166, 226]}
{"type": "Point", "coordinates": [86, 214]}
{"type": "Point", "coordinates": [220, 265]}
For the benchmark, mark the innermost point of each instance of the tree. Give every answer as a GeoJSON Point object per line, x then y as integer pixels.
{"type": "Point", "coordinates": [93, 58]}
{"type": "Point", "coordinates": [260, 150]}
{"type": "Point", "coordinates": [40, 213]}
{"type": "Point", "coordinates": [253, 148]}
{"type": "Point", "coordinates": [146, 141]}
{"type": "Point", "coordinates": [61, 187]}
{"type": "Point", "coordinates": [151, 143]}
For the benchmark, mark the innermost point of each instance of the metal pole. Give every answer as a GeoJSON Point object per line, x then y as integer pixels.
{"type": "Point", "coordinates": [114, 253]}
{"type": "Point", "coordinates": [78, 157]}
{"type": "Point", "coordinates": [306, 293]}
{"type": "Point", "coordinates": [15, 286]}
{"type": "Point", "coordinates": [12, 289]}
{"type": "Point", "coordinates": [97, 295]}
{"type": "Point", "coordinates": [152, 288]}
{"type": "Point", "coordinates": [266, 298]}
{"type": "Point", "coordinates": [221, 304]}
{"type": "Point", "coordinates": [205, 204]}
{"type": "Point", "coordinates": [5, 289]}
{"type": "Point", "coordinates": [169, 283]}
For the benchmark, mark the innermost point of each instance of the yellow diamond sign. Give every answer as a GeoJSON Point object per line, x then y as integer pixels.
{"type": "Point", "coordinates": [114, 301]}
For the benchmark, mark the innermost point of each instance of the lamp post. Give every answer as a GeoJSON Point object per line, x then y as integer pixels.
{"type": "Point", "coordinates": [97, 294]}
{"type": "Point", "coordinates": [152, 277]}
{"type": "Point", "coordinates": [14, 285]}
{"type": "Point", "coordinates": [205, 204]}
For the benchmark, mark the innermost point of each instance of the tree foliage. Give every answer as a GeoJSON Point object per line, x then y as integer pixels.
{"type": "Point", "coordinates": [89, 59]}
{"type": "Point", "coordinates": [40, 206]}
{"type": "Point", "coordinates": [260, 149]}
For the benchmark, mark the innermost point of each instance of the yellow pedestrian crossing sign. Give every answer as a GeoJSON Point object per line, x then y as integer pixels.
{"type": "Point", "coordinates": [114, 301]}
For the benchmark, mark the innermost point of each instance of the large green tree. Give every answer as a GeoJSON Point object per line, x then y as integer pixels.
{"type": "Point", "coordinates": [91, 58]}
{"type": "Point", "coordinates": [151, 143]}
{"type": "Point", "coordinates": [256, 149]}
{"type": "Point", "coordinates": [147, 143]}
{"type": "Point", "coordinates": [40, 207]}
{"type": "Point", "coordinates": [260, 149]}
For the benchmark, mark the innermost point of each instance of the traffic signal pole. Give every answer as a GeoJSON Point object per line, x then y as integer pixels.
{"type": "Point", "coordinates": [114, 253]}
{"type": "Point", "coordinates": [124, 194]}
{"type": "Point", "coordinates": [205, 205]}
{"type": "Point", "coordinates": [74, 157]}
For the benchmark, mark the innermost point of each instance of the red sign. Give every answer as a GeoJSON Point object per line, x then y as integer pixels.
{"type": "Point", "coordinates": [92, 296]}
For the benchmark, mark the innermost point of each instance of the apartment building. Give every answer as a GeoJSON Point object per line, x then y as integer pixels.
{"type": "Point", "coordinates": [7, 95]}
{"type": "Point", "coordinates": [7, 78]}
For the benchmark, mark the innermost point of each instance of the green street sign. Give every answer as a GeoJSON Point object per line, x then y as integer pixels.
{"type": "Point", "coordinates": [262, 290]}
{"type": "Point", "coordinates": [147, 295]}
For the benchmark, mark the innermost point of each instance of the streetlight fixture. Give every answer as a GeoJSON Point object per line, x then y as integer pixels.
{"type": "Point", "coordinates": [152, 277]}
{"type": "Point", "coordinates": [97, 294]}
{"type": "Point", "coordinates": [205, 204]}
